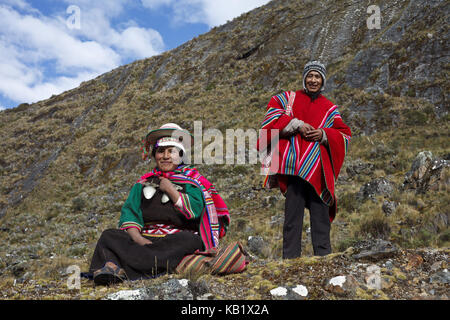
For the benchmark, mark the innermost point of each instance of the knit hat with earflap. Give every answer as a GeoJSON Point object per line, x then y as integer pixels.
{"type": "Point", "coordinates": [315, 66]}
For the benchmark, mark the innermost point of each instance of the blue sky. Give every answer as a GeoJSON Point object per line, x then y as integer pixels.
{"type": "Point", "coordinates": [50, 46]}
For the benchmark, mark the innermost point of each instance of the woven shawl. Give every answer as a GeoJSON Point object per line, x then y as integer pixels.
{"type": "Point", "coordinates": [215, 217]}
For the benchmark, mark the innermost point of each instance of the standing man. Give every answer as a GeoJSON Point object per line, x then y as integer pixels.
{"type": "Point", "coordinates": [312, 144]}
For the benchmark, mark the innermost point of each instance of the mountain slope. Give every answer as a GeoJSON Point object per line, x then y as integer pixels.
{"type": "Point", "coordinates": [68, 162]}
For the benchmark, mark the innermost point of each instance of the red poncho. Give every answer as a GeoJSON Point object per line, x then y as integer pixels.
{"type": "Point", "coordinates": [317, 164]}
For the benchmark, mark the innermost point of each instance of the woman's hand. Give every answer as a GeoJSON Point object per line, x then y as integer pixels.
{"type": "Point", "coordinates": [137, 237]}
{"type": "Point", "coordinates": [166, 186]}
{"type": "Point", "coordinates": [143, 241]}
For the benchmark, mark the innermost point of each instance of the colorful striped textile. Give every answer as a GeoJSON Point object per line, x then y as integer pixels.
{"type": "Point", "coordinates": [317, 164]}
{"type": "Point", "coordinates": [215, 219]}
{"type": "Point", "coordinates": [227, 260]}
{"type": "Point", "coordinates": [186, 208]}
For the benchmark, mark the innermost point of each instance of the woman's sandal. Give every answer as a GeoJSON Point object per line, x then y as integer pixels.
{"type": "Point", "coordinates": [109, 274]}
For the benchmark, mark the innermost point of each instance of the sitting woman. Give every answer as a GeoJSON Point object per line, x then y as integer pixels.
{"type": "Point", "coordinates": [170, 212]}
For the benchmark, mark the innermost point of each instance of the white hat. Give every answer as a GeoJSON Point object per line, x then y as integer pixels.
{"type": "Point", "coordinates": [169, 134]}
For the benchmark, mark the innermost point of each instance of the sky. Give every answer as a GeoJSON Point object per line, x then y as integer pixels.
{"type": "Point", "coordinates": [51, 46]}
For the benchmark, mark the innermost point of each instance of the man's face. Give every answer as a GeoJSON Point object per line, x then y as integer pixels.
{"type": "Point", "coordinates": [313, 81]}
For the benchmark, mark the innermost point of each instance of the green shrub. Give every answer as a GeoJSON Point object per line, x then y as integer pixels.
{"type": "Point", "coordinates": [375, 226]}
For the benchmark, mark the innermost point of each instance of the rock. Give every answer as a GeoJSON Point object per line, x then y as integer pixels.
{"type": "Point", "coordinates": [387, 282]}
{"type": "Point", "coordinates": [18, 268]}
{"type": "Point", "coordinates": [426, 173]}
{"type": "Point", "coordinates": [269, 201]}
{"type": "Point", "coordinates": [379, 250]}
{"type": "Point", "coordinates": [419, 165]}
{"type": "Point", "coordinates": [379, 186]}
{"type": "Point", "coordinates": [440, 277]}
{"type": "Point", "coordinates": [279, 292]}
{"type": "Point", "coordinates": [138, 294]}
{"type": "Point", "coordinates": [342, 285]}
{"type": "Point", "coordinates": [258, 246]}
{"type": "Point", "coordinates": [199, 289]}
{"type": "Point", "coordinates": [438, 265]}
{"type": "Point", "coordinates": [298, 292]}
{"type": "Point", "coordinates": [206, 296]}
{"type": "Point", "coordinates": [439, 223]}
{"type": "Point", "coordinates": [277, 220]}
{"type": "Point", "coordinates": [414, 261]}
{"type": "Point", "coordinates": [357, 167]}
{"type": "Point", "coordinates": [358, 72]}
{"type": "Point", "coordinates": [389, 207]}
{"type": "Point", "coordinates": [388, 264]}
{"type": "Point", "coordinates": [175, 289]}
{"type": "Point", "coordinates": [337, 281]}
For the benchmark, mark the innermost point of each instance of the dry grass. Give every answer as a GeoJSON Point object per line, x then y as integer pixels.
{"type": "Point", "coordinates": [95, 131]}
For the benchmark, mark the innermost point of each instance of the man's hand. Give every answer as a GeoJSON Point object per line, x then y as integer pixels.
{"type": "Point", "coordinates": [305, 129]}
{"type": "Point", "coordinates": [315, 135]}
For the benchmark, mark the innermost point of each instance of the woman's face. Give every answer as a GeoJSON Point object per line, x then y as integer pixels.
{"type": "Point", "coordinates": [313, 81]}
{"type": "Point", "coordinates": [167, 158]}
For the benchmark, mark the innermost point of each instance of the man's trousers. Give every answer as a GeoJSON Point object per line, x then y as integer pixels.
{"type": "Point", "coordinates": [300, 195]}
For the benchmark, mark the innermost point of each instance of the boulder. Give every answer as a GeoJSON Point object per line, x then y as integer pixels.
{"type": "Point", "coordinates": [389, 207]}
{"type": "Point", "coordinates": [258, 246]}
{"type": "Point", "coordinates": [376, 187]}
{"type": "Point", "coordinates": [173, 289]}
{"type": "Point", "coordinates": [426, 173]}
{"type": "Point", "coordinates": [342, 285]}
{"type": "Point", "coordinates": [377, 250]}
{"type": "Point", "coordinates": [357, 167]}
{"type": "Point", "coordinates": [442, 277]}
{"type": "Point", "coordinates": [138, 294]}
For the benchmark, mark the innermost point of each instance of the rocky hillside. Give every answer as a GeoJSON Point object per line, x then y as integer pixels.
{"type": "Point", "coordinates": [68, 162]}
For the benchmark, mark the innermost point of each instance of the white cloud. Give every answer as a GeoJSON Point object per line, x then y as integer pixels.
{"type": "Point", "coordinates": [219, 12]}
{"type": "Point", "coordinates": [20, 4]}
{"type": "Point", "coordinates": [45, 39]}
{"type": "Point", "coordinates": [139, 42]}
{"type": "Point", "coordinates": [40, 56]}
{"type": "Point", "coordinates": [211, 12]}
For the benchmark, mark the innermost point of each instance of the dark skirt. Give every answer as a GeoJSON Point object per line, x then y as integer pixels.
{"type": "Point", "coordinates": [147, 261]}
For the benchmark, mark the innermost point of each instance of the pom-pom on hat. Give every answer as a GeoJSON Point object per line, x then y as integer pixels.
{"type": "Point", "coordinates": [315, 66]}
{"type": "Point", "coordinates": [169, 134]}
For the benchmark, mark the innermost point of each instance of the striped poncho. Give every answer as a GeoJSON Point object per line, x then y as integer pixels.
{"type": "Point", "coordinates": [214, 218]}
{"type": "Point", "coordinates": [316, 163]}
